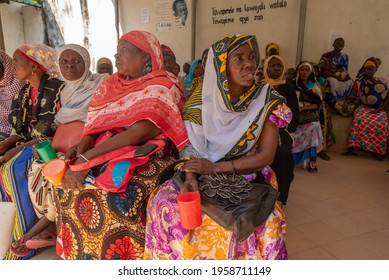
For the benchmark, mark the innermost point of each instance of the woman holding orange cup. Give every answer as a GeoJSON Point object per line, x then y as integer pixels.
{"type": "Point", "coordinates": [232, 125]}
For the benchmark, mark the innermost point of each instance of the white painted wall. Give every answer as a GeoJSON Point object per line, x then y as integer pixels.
{"type": "Point", "coordinates": [279, 25]}
{"type": "Point", "coordinates": [364, 24]}
{"type": "Point", "coordinates": [33, 25]}
{"type": "Point", "coordinates": [12, 22]}
{"type": "Point", "coordinates": [177, 37]}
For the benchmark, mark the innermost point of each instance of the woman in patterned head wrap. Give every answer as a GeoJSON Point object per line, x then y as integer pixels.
{"type": "Point", "coordinates": [9, 86]}
{"type": "Point", "coordinates": [74, 62]}
{"type": "Point", "coordinates": [370, 128]}
{"type": "Point", "coordinates": [140, 102]}
{"type": "Point", "coordinates": [233, 128]}
{"type": "Point", "coordinates": [32, 119]}
{"type": "Point", "coordinates": [308, 137]}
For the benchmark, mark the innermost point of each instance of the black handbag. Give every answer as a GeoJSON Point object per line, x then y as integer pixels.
{"type": "Point", "coordinates": [235, 203]}
{"type": "Point", "coordinates": [309, 116]}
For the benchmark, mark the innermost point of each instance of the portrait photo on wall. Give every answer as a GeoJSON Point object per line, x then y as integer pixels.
{"type": "Point", "coordinates": [180, 11]}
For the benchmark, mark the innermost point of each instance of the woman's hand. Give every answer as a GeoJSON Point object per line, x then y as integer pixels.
{"type": "Point", "coordinates": [72, 180]}
{"type": "Point", "coordinates": [81, 147]}
{"type": "Point", "coordinates": [10, 154]}
{"type": "Point", "coordinates": [191, 184]}
{"type": "Point", "coordinates": [199, 166]}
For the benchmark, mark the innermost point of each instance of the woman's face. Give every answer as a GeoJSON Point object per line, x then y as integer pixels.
{"type": "Point", "coordinates": [370, 71]}
{"type": "Point", "coordinates": [104, 68]}
{"type": "Point", "coordinates": [168, 63]}
{"type": "Point", "coordinates": [304, 72]}
{"type": "Point", "coordinates": [130, 60]}
{"type": "Point", "coordinates": [72, 65]}
{"type": "Point", "coordinates": [275, 68]}
{"type": "Point", "coordinates": [22, 67]}
{"type": "Point", "coordinates": [198, 70]}
{"type": "Point", "coordinates": [241, 67]}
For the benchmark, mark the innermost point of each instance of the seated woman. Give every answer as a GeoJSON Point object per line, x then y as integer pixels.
{"type": "Point", "coordinates": [283, 161]}
{"type": "Point", "coordinates": [138, 103]}
{"type": "Point", "coordinates": [32, 119]}
{"type": "Point", "coordinates": [169, 61]}
{"type": "Point", "coordinates": [197, 84]}
{"type": "Point", "coordinates": [334, 67]}
{"type": "Point", "coordinates": [308, 137]}
{"type": "Point", "coordinates": [232, 128]}
{"type": "Point", "coordinates": [325, 113]}
{"type": "Point", "coordinates": [74, 63]}
{"type": "Point", "coordinates": [9, 86]}
{"type": "Point", "coordinates": [196, 70]}
{"type": "Point", "coordinates": [104, 66]}
{"type": "Point", "coordinates": [370, 128]}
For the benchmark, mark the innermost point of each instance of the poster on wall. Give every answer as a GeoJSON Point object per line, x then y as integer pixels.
{"type": "Point", "coordinates": [171, 14]}
{"type": "Point", "coordinates": [163, 15]}
{"type": "Point", "coordinates": [180, 12]}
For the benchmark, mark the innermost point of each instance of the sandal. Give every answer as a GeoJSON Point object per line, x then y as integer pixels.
{"type": "Point", "coordinates": [42, 242]}
{"type": "Point", "coordinates": [312, 167]}
{"type": "Point", "coordinates": [18, 253]}
{"type": "Point", "coordinates": [378, 157]}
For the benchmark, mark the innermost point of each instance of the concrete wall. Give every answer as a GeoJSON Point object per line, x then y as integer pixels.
{"type": "Point", "coordinates": [12, 22]}
{"type": "Point", "coordinates": [279, 25]}
{"type": "Point", "coordinates": [363, 23]}
{"type": "Point", "coordinates": [161, 22]}
{"type": "Point", "coordinates": [33, 24]}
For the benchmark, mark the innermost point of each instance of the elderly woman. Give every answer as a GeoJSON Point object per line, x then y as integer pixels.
{"type": "Point", "coordinates": [9, 86]}
{"type": "Point", "coordinates": [104, 66]}
{"type": "Point", "coordinates": [74, 63]}
{"type": "Point", "coordinates": [138, 103]}
{"type": "Point", "coordinates": [370, 129]}
{"type": "Point", "coordinates": [283, 161]}
{"type": "Point", "coordinates": [232, 128]}
{"type": "Point", "coordinates": [32, 119]}
{"type": "Point", "coordinates": [308, 137]}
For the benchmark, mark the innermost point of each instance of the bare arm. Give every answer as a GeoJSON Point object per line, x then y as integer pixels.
{"type": "Point", "coordinates": [266, 150]}
{"type": "Point", "coordinates": [138, 133]}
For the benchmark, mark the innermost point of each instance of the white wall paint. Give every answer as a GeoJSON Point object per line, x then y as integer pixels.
{"type": "Point", "coordinates": [179, 39]}
{"type": "Point", "coordinates": [12, 22]}
{"type": "Point", "coordinates": [365, 26]}
{"type": "Point", "coordinates": [33, 25]}
{"type": "Point", "coordinates": [279, 25]}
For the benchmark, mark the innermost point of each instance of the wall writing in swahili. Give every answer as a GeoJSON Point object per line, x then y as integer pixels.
{"type": "Point", "coordinates": [244, 13]}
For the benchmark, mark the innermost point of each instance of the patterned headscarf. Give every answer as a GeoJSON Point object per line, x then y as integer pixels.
{"type": "Point", "coordinates": [271, 46]}
{"type": "Point", "coordinates": [166, 51]}
{"type": "Point", "coordinates": [76, 95]}
{"type": "Point", "coordinates": [213, 118]}
{"type": "Point", "coordinates": [274, 82]}
{"type": "Point", "coordinates": [43, 56]}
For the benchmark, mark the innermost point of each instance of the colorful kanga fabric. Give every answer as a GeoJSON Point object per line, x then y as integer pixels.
{"type": "Point", "coordinates": [206, 115]}
{"type": "Point", "coordinates": [95, 224]}
{"type": "Point", "coordinates": [369, 130]}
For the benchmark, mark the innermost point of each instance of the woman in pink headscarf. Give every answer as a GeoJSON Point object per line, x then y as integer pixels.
{"type": "Point", "coordinates": [140, 102]}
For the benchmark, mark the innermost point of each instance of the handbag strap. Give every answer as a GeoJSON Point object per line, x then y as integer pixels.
{"type": "Point", "coordinates": [126, 152]}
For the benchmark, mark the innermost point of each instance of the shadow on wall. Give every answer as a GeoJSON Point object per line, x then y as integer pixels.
{"type": "Point", "coordinates": [53, 34]}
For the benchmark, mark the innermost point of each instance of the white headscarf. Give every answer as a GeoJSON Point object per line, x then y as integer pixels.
{"type": "Point", "coordinates": [76, 95]}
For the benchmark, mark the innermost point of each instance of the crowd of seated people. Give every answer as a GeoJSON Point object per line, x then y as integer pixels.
{"type": "Point", "coordinates": [134, 129]}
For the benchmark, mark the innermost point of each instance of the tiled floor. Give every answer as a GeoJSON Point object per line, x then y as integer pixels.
{"type": "Point", "coordinates": [342, 212]}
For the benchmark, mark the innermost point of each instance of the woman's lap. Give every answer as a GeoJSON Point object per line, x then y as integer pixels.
{"type": "Point", "coordinates": [166, 239]}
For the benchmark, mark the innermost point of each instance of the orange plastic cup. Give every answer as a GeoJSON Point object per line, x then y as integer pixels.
{"type": "Point", "coordinates": [189, 205]}
{"type": "Point", "coordinates": [54, 170]}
